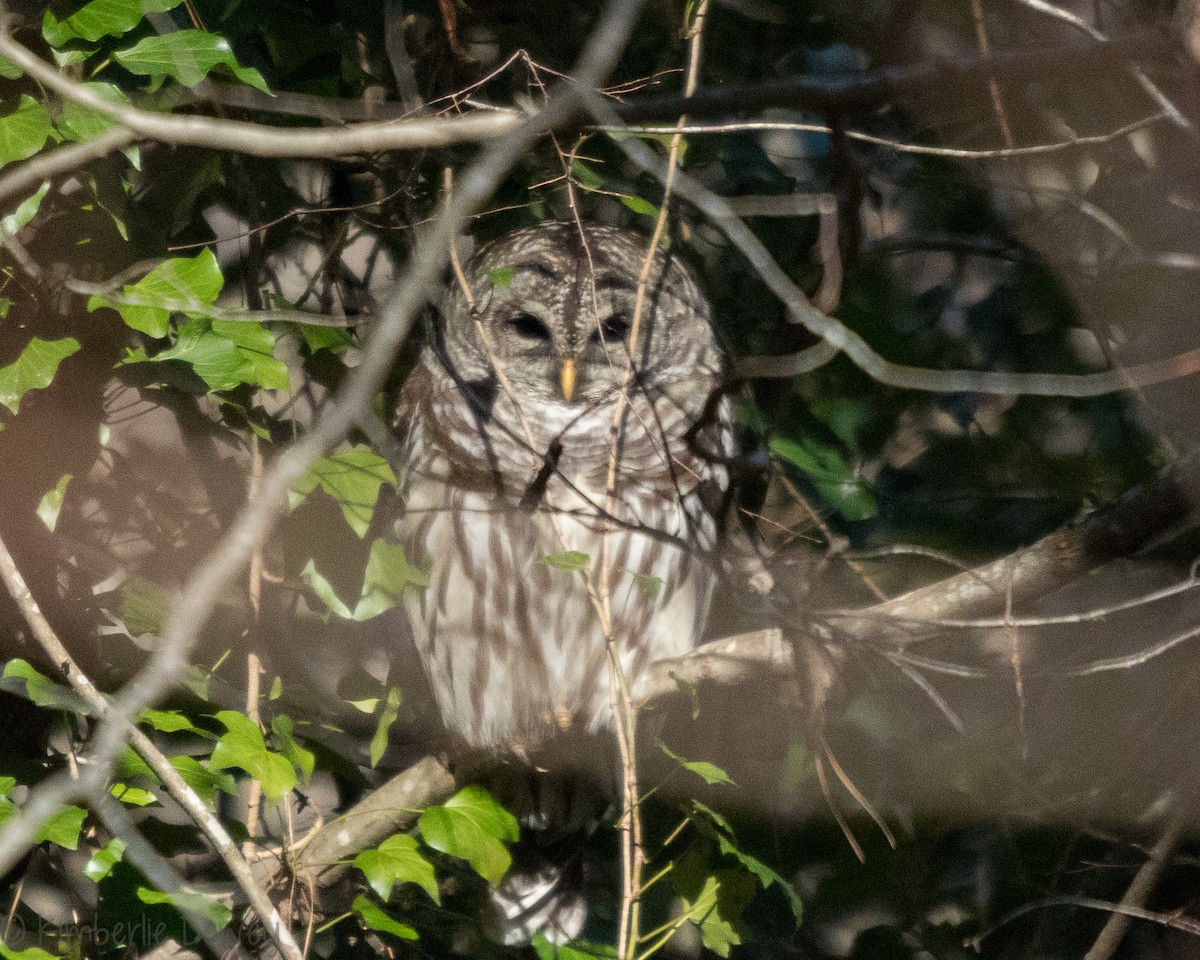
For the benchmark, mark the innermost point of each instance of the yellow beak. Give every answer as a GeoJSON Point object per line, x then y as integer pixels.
{"type": "Point", "coordinates": [568, 378]}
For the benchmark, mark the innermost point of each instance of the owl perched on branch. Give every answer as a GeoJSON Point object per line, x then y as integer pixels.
{"type": "Point", "coordinates": [533, 490]}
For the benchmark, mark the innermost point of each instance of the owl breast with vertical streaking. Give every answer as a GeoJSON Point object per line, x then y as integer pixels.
{"type": "Point", "coordinates": [509, 423]}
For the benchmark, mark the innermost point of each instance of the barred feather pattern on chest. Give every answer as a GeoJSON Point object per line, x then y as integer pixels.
{"type": "Point", "coordinates": [508, 429]}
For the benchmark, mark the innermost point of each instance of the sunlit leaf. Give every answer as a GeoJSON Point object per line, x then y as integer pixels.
{"type": "Point", "coordinates": [471, 825]}
{"type": "Point", "coordinates": [102, 861]}
{"type": "Point", "coordinates": [26, 210]}
{"type": "Point", "coordinates": [709, 772]}
{"type": "Point", "coordinates": [62, 828]}
{"type": "Point", "coordinates": [134, 796]}
{"type": "Point", "coordinates": [204, 781]}
{"type": "Point", "coordinates": [101, 18]}
{"type": "Point", "coordinates": [243, 747]}
{"type": "Point", "coordinates": [195, 905]}
{"type": "Point", "coordinates": [51, 503]}
{"type": "Point", "coordinates": [353, 478]}
{"type": "Point", "coordinates": [186, 56]}
{"type": "Point", "coordinates": [374, 918]}
{"type": "Point", "coordinates": [387, 716]}
{"type": "Point", "coordinates": [79, 123]}
{"type": "Point", "coordinates": [397, 860]}
{"type": "Point", "coordinates": [24, 130]}
{"type": "Point", "coordinates": [501, 276]}
{"type": "Point", "coordinates": [301, 757]}
{"type": "Point", "coordinates": [34, 369]}
{"type": "Point", "coordinates": [195, 280]}
{"type": "Point", "coordinates": [23, 678]}
{"type": "Point", "coordinates": [571, 560]}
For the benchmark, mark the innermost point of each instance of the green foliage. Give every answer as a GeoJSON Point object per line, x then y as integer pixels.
{"type": "Point", "coordinates": [101, 18]}
{"type": "Point", "coordinates": [34, 369]}
{"type": "Point", "coordinates": [177, 283]}
{"type": "Point", "coordinates": [224, 354]}
{"type": "Point", "coordinates": [387, 576]}
{"type": "Point", "coordinates": [197, 906]}
{"type": "Point", "coordinates": [186, 56]}
{"type": "Point", "coordinates": [388, 713]}
{"type": "Point", "coordinates": [374, 918]}
{"type": "Point", "coordinates": [51, 503]}
{"type": "Point", "coordinates": [80, 123]}
{"type": "Point", "coordinates": [26, 210]}
{"type": "Point", "coordinates": [397, 860]}
{"type": "Point", "coordinates": [62, 827]}
{"type": "Point", "coordinates": [352, 478]}
{"type": "Point", "coordinates": [570, 560]}
{"type": "Point", "coordinates": [242, 747]}
{"type": "Point", "coordinates": [23, 130]}
{"type": "Point", "coordinates": [103, 860]}
{"type": "Point", "coordinates": [21, 677]}
{"type": "Point", "coordinates": [471, 825]}
{"type": "Point", "coordinates": [710, 773]}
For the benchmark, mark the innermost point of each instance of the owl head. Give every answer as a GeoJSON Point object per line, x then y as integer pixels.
{"type": "Point", "coordinates": [554, 305]}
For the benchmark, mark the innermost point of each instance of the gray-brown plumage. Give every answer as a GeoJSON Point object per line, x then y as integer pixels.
{"type": "Point", "coordinates": [507, 422]}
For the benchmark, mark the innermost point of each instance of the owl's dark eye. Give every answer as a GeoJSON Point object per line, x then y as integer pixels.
{"type": "Point", "coordinates": [613, 327]}
{"type": "Point", "coordinates": [529, 327]}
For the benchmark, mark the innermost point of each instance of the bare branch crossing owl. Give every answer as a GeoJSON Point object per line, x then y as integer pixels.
{"type": "Point", "coordinates": [507, 423]}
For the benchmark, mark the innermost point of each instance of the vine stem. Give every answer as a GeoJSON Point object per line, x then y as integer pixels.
{"type": "Point", "coordinates": [633, 856]}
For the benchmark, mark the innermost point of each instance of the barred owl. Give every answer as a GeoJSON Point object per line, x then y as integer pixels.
{"type": "Point", "coordinates": [508, 423]}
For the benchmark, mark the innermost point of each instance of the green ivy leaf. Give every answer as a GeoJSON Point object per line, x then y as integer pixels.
{"type": "Point", "coordinates": [387, 576]}
{"type": "Point", "coordinates": [34, 369]}
{"type": "Point", "coordinates": [714, 900]}
{"type": "Point", "coordinates": [715, 826]}
{"type": "Point", "coordinates": [51, 503]}
{"type": "Point", "coordinates": [195, 905]}
{"type": "Point", "coordinates": [23, 131]}
{"type": "Point", "coordinates": [10, 225]}
{"type": "Point", "coordinates": [102, 861]}
{"type": "Point", "coordinates": [374, 918]}
{"type": "Point", "coordinates": [353, 478]}
{"type": "Point", "coordinates": [40, 689]}
{"type": "Point", "coordinates": [29, 953]}
{"type": "Point", "coordinates": [8, 69]}
{"type": "Point", "coordinates": [398, 860]}
{"type": "Point", "coordinates": [171, 721]}
{"type": "Point", "coordinates": [79, 123]}
{"type": "Point", "coordinates": [709, 772]}
{"type": "Point", "coordinates": [101, 18]}
{"type": "Point", "coordinates": [186, 56]}
{"type": "Point", "coordinates": [650, 585]}
{"type": "Point", "coordinates": [225, 354]}
{"type": "Point", "coordinates": [325, 592]}
{"type": "Point", "coordinates": [301, 758]}
{"type": "Point", "coordinates": [640, 205]}
{"type": "Point", "coordinates": [134, 796]}
{"type": "Point", "coordinates": [317, 337]}
{"type": "Point", "coordinates": [387, 716]}
{"type": "Point", "coordinates": [243, 747]}
{"type": "Point", "coordinates": [833, 477]}
{"type": "Point", "coordinates": [471, 825]}
{"type": "Point", "coordinates": [575, 950]}
{"type": "Point", "coordinates": [195, 280]}
{"type": "Point", "coordinates": [571, 560]}
{"type": "Point", "coordinates": [7, 785]}
{"type": "Point", "coordinates": [204, 781]}
{"type": "Point", "coordinates": [62, 828]}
